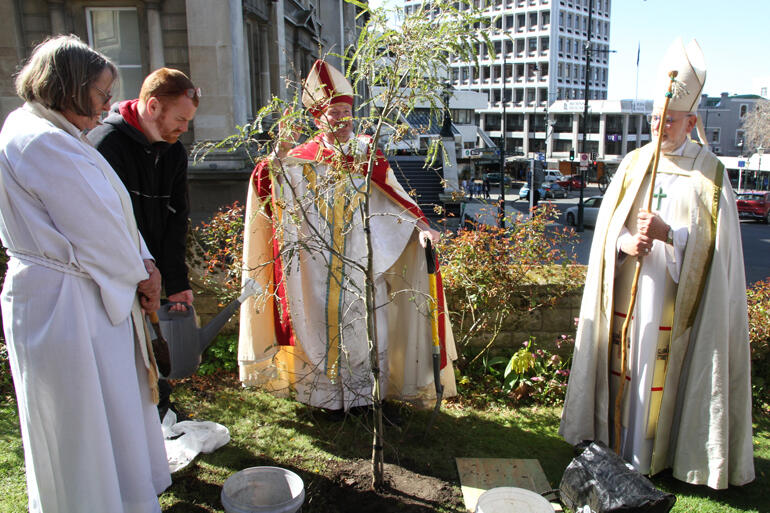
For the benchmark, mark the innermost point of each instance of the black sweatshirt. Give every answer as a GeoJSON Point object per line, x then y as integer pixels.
{"type": "Point", "coordinates": [155, 175]}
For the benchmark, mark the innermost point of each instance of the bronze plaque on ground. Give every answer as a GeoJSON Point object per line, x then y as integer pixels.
{"type": "Point", "coordinates": [477, 475]}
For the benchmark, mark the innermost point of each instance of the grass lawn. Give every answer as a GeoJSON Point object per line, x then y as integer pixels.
{"type": "Point", "coordinates": [270, 431]}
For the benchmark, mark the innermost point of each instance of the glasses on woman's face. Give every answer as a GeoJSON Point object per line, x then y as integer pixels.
{"type": "Point", "coordinates": [107, 96]}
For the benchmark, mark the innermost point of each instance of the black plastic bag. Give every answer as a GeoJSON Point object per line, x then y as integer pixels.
{"type": "Point", "coordinates": [600, 479]}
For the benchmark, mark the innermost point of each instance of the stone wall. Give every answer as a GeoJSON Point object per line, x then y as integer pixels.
{"type": "Point", "coordinates": [544, 325]}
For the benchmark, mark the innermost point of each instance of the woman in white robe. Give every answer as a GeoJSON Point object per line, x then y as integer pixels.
{"type": "Point", "coordinates": [81, 369]}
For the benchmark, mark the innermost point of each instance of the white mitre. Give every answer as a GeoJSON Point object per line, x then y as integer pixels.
{"type": "Point", "coordinates": [323, 86]}
{"type": "Point", "coordinates": [691, 66]}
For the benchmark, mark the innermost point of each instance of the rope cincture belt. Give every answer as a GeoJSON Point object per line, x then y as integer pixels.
{"type": "Point", "coordinates": [32, 258]}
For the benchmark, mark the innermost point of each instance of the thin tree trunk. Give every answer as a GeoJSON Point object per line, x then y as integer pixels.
{"type": "Point", "coordinates": [378, 458]}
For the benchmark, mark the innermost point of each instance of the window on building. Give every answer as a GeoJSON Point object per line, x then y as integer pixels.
{"type": "Point", "coordinates": [533, 21]}
{"type": "Point", "coordinates": [532, 70]}
{"type": "Point", "coordinates": [715, 135]}
{"type": "Point", "coordinates": [532, 45]}
{"type": "Point", "coordinates": [739, 139]}
{"type": "Point", "coordinates": [115, 33]}
{"type": "Point", "coordinates": [521, 21]}
{"type": "Point", "coordinates": [545, 20]}
{"type": "Point", "coordinates": [463, 116]}
{"type": "Point", "coordinates": [744, 109]}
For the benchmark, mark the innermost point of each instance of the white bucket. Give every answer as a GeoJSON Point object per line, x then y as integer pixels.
{"type": "Point", "coordinates": [507, 499]}
{"type": "Point", "coordinates": [263, 490]}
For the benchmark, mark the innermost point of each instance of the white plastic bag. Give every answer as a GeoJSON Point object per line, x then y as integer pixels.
{"type": "Point", "coordinates": [196, 437]}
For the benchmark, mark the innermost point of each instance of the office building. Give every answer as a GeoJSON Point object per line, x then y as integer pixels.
{"type": "Point", "coordinates": [538, 58]}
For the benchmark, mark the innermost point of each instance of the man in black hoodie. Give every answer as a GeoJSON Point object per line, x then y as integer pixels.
{"type": "Point", "coordinates": [139, 138]}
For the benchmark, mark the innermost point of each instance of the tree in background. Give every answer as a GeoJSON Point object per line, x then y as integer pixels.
{"type": "Point", "coordinates": [756, 126]}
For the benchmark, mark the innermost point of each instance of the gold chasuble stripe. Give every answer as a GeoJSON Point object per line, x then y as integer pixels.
{"type": "Point", "coordinates": [337, 210]}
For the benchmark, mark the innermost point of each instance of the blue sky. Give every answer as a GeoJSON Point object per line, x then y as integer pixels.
{"type": "Point", "coordinates": [734, 36]}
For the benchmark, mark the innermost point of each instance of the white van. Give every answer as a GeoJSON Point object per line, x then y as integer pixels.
{"type": "Point", "coordinates": [552, 175]}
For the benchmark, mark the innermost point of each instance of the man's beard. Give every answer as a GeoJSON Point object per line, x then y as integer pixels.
{"type": "Point", "coordinates": [168, 135]}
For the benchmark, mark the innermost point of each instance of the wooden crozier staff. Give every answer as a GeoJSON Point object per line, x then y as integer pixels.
{"type": "Point", "coordinates": [671, 92]}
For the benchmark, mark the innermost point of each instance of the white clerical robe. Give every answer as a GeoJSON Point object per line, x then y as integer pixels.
{"type": "Point", "coordinates": [654, 306]}
{"type": "Point", "coordinates": [91, 433]}
{"type": "Point", "coordinates": [318, 226]}
{"type": "Point", "coordinates": [702, 428]}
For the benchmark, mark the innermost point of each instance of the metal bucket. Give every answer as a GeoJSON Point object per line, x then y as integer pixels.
{"type": "Point", "coordinates": [263, 490]}
{"type": "Point", "coordinates": [508, 499]}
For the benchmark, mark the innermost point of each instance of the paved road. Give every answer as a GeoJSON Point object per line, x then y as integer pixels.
{"type": "Point", "coordinates": [755, 236]}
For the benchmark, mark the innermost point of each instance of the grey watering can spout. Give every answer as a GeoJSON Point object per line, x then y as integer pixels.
{"type": "Point", "coordinates": [186, 341]}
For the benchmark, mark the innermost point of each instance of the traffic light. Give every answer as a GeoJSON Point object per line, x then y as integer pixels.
{"type": "Point", "coordinates": [593, 156]}
{"type": "Point", "coordinates": [572, 154]}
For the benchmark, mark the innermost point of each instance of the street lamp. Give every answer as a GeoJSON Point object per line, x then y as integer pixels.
{"type": "Point", "coordinates": [503, 144]}
{"type": "Point", "coordinates": [533, 125]}
{"type": "Point", "coordinates": [760, 151]}
{"type": "Point", "coordinates": [585, 112]}
{"type": "Point", "coordinates": [585, 109]}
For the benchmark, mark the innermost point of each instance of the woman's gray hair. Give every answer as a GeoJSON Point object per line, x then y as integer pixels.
{"type": "Point", "coordinates": [60, 72]}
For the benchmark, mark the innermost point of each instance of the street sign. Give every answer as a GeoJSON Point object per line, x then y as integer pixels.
{"type": "Point", "coordinates": [541, 157]}
{"type": "Point", "coordinates": [584, 160]}
{"type": "Point", "coordinates": [741, 163]}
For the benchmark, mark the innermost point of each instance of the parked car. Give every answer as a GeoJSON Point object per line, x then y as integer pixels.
{"type": "Point", "coordinates": [554, 190]}
{"type": "Point", "coordinates": [552, 175]}
{"type": "Point", "coordinates": [524, 192]}
{"type": "Point", "coordinates": [590, 211]}
{"type": "Point", "coordinates": [754, 205]}
{"type": "Point", "coordinates": [547, 190]}
{"type": "Point", "coordinates": [572, 182]}
{"type": "Point", "coordinates": [494, 179]}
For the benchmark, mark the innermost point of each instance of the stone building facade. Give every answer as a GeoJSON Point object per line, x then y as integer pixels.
{"type": "Point", "coordinates": [240, 52]}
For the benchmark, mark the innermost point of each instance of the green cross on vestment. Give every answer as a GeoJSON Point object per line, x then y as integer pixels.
{"type": "Point", "coordinates": [660, 195]}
